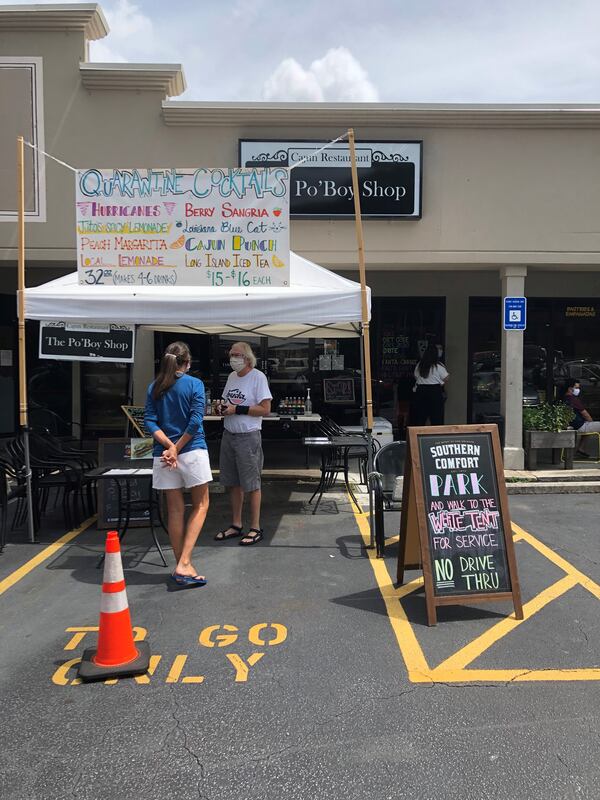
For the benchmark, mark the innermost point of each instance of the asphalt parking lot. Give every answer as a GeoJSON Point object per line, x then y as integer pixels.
{"type": "Point", "coordinates": [301, 671]}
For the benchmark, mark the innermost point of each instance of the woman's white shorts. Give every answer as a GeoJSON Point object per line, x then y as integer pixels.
{"type": "Point", "coordinates": [193, 468]}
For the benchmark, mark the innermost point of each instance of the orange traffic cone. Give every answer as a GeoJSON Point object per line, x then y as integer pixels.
{"type": "Point", "coordinates": [116, 655]}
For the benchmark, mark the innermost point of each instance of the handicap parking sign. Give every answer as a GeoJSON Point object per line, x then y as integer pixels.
{"type": "Point", "coordinates": [515, 313]}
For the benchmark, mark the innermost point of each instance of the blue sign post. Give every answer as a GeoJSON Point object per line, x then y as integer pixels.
{"type": "Point", "coordinates": [515, 313]}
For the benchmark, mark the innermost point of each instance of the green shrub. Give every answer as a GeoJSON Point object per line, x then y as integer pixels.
{"type": "Point", "coordinates": [548, 417]}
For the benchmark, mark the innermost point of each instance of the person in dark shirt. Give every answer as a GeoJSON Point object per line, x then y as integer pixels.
{"type": "Point", "coordinates": [583, 422]}
{"type": "Point", "coordinates": [173, 415]}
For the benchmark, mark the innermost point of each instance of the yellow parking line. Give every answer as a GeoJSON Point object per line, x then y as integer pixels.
{"type": "Point", "coordinates": [470, 652]}
{"type": "Point", "coordinates": [560, 562]}
{"type": "Point", "coordinates": [44, 555]}
{"type": "Point", "coordinates": [513, 675]}
{"type": "Point", "coordinates": [407, 641]}
{"type": "Point", "coordinates": [453, 669]}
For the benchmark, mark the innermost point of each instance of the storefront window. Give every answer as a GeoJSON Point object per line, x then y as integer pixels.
{"type": "Point", "coordinates": [49, 387]}
{"type": "Point", "coordinates": [403, 328]}
{"type": "Point", "coordinates": [8, 360]}
{"type": "Point", "coordinates": [288, 368]}
{"type": "Point", "coordinates": [104, 389]}
{"type": "Point", "coordinates": [560, 342]}
{"type": "Point", "coordinates": [201, 348]}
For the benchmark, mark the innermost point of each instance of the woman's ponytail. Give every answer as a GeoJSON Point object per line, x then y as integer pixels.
{"type": "Point", "coordinates": [175, 357]}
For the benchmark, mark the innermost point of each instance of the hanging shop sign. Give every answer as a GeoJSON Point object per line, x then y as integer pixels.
{"type": "Point", "coordinates": [455, 523]}
{"type": "Point", "coordinates": [389, 175]}
{"type": "Point", "coordinates": [166, 227]}
{"type": "Point", "coordinates": [90, 341]}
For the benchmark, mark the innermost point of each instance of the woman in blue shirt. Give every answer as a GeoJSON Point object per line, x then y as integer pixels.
{"type": "Point", "coordinates": [173, 415]}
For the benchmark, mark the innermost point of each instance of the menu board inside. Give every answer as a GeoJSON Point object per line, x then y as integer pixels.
{"type": "Point", "coordinates": [465, 528]}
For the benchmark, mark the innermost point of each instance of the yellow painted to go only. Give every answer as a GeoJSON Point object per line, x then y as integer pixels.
{"type": "Point", "coordinates": [176, 669]}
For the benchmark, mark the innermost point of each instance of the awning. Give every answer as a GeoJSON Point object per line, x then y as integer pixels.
{"type": "Point", "coordinates": [317, 304]}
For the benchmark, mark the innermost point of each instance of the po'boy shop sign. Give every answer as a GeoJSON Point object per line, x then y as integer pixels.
{"type": "Point", "coordinates": [389, 175]}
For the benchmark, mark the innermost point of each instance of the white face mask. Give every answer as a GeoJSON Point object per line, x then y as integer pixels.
{"type": "Point", "coordinates": [237, 363]}
{"type": "Point", "coordinates": [576, 392]}
{"type": "Point", "coordinates": [181, 372]}
{"type": "Point", "coordinates": [439, 352]}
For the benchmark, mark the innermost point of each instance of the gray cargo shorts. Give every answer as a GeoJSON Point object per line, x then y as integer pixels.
{"type": "Point", "coordinates": [241, 460]}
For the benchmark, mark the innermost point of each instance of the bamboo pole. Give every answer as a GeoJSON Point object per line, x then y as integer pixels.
{"type": "Point", "coordinates": [363, 283]}
{"type": "Point", "coordinates": [21, 280]}
{"type": "Point", "coordinates": [23, 413]}
{"type": "Point", "coordinates": [366, 339]}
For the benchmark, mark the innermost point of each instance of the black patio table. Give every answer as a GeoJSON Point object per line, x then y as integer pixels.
{"type": "Point", "coordinates": [122, 474]}
{"type": "Point", "coordinates": [335, 455]}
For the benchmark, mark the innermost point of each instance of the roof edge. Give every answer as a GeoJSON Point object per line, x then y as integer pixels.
{"type": "Point", "coordinates": [166, 78]}
{"type": "Point", "coordinates": [86, 17]}
{"type": "Point", "coordinates": [405, 115]}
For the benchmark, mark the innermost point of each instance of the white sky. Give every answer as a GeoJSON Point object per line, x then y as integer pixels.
{"type": "Point", "coordinates": [345, 50]}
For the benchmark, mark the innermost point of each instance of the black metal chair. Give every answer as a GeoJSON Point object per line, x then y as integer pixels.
{"type": "Point", "coordinates": [385, 486]}
{"type": "Point", "coordinates": [50, 449]}
{"type": "Point", "coordinates": [48, 476]}
{"type": "Point", "coordinates": [335, 461]}
{"type": "Point", "coordinates": [12, 486]}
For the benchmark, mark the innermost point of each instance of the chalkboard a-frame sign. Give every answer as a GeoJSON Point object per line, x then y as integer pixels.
{"type": "Point", "coordinates": [455, 521]}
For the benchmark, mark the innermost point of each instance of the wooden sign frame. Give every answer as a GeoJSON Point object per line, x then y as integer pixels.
{"type": "Point", "coordinates": [414, 551]}
{"type": "Point", "coordinates": [127, 410]}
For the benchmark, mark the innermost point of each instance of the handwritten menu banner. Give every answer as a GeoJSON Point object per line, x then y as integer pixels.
{"type": "Point", "coordinates": [167, 227]}
{"type": "Point", "coordinates": [464, 523]}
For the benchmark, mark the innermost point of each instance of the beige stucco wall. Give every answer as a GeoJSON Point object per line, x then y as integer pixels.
{"type": "Point", "coordinates": [491, 196]}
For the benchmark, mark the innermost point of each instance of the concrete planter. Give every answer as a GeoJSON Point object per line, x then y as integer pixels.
{"type": "Point", "coordinates": [549, 440]}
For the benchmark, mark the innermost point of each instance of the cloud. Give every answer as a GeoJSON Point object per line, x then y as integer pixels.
{"type": "Point", "coordinates": [132, 36]}
{"type": "Point", "coordinates": [337, 77]}
{"type": "Point", "coordinates": [102, 54]}
{"type": "Point", "coordinates": [290, 81]}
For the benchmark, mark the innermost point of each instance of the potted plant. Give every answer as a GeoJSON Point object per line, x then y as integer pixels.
{"type": "Point", "coordinates": [545, 428]}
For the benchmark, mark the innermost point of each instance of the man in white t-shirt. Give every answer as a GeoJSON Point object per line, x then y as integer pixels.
{"type": "Point", "coordinates": [246, 399]}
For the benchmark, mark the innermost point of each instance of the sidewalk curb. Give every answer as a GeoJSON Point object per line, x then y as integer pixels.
{"type": "Point", "coordinates": [554, 487]}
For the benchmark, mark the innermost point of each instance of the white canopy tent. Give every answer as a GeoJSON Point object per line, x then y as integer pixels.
{"type": "Point", "coordinates": [317, 304]}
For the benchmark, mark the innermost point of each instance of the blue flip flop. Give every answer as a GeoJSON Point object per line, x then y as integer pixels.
{"type": "Point", "coordinates": [188, 580]}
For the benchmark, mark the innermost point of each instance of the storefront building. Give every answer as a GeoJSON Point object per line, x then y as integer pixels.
{"type": "Point", "coordinates": [504, 201]}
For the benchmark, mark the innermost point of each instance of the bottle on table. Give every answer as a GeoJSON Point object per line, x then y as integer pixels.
{"type": "Point", "coordinates": [308, 403]}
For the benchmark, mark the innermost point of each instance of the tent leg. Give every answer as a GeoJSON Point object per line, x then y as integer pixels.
{"type": "Point", "coordinates": [130, 383]}
{"type": "Point", "coordinates": [369, 434]}
{"type": "Point", "coordinates": [28, 486]}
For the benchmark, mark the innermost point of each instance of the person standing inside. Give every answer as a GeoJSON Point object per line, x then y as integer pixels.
{"type": "Point", "coordinates": [583, 422]}
{"type": "Point", "coordinates": [173, 415]}
{"type": "Point", "coordinates": [246, 399]}
{"type": "Point", "coordinates": [431, 376]}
